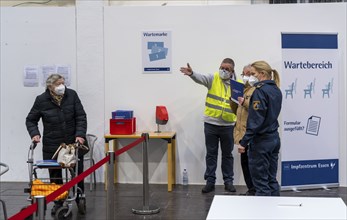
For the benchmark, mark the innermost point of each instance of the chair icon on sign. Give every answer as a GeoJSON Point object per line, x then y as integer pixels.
{"type": "Point", "coordinates": [328, 88]}
{"type": "Point", "coordinates": [292, 87]}
{"type": "Point", "coordinates": [310, 89]}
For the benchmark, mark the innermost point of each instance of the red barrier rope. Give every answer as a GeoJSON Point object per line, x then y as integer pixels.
{"type": "Point", "coordinates": [126, 148]}
{"type": "Point", "coordinates": [32, 208]}
{"type": "Point", "coordinates": [25, 212]}
{"type": "Point", "coordinates": [76, 180]}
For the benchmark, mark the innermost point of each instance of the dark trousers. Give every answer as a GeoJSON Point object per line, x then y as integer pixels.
{"type": "Point", "coordinates": [246, 172]}
{"type": "Point", "coordinates": [263, 160]}
{"type": "Point", "coordinates": [213, 136]}
{"type": "Point", "coordinates": [55, 175]}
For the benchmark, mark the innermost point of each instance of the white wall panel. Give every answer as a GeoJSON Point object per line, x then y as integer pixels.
{"type": "Point", "coordinates": [202, 36]}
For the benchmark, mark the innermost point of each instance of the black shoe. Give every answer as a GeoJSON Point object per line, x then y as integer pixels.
{"type": "Point", "coordinates": [209, 187]}
{"type": "Point", "coordinates": [229, 187]}
{"type": "Point", "coordinates": [248, 193]}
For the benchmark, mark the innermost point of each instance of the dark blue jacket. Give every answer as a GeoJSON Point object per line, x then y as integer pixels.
{"type": "Point", "coordinates": [61, 124]}
{"type": "Point", "coordinates": [264, 109]}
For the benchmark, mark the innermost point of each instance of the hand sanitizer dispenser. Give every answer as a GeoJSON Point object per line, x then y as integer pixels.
{"type": "Point", "coordinates": [161, 116]}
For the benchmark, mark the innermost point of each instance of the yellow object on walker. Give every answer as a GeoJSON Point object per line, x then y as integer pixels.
{"type": "Point", "coordinates": [44, 189]}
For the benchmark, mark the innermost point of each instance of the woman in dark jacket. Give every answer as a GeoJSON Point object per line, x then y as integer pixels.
{"type": "Point", "coordinates": [64, 121]}
{"type": "Point", "coordinates": [261, 136]}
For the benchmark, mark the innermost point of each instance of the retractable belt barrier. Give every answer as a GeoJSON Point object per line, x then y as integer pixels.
{"type": "Point", "coordinates": [128, 147]}
{"type": "Point", "coordinates": [29, 210]}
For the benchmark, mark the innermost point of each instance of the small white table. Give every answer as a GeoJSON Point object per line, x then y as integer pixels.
{"type": "Point", "coordinates": [263, 207]}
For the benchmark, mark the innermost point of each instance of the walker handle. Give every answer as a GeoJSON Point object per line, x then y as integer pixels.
{"type": "Point", "coordinates": [33, 145]}
{"type": "Point", "coordinates": [81, 146]}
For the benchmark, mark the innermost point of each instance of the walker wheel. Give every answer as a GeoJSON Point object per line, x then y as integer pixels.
{"type": "Point", "coordinates": [82, 206]}
{"type": "Point", "coordinates": [61, 213]}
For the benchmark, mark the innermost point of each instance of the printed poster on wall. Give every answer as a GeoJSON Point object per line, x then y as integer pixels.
{"type": "Point", "coordinates": [156, 52]}
{"type": "Point", "coordinates": [63, 70]}
{"type": "Point", "coordinates": [309, 149]}
{"type": "Point", "coordinates": [31, 76]}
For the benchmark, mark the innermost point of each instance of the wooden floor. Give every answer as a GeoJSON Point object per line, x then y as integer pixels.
{"type": "Point", "coordinates": [183, 203]}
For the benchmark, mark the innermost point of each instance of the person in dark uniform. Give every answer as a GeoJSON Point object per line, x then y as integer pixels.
{"type": "Point", "coordinates": [262, 135]}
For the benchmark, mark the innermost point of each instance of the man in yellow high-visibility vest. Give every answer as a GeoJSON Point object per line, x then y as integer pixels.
{"type": "Point", "coordinates": [219, 121]}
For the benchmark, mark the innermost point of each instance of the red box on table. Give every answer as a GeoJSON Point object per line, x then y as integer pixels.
{"type": "Point", "coordinates": [123, 126]}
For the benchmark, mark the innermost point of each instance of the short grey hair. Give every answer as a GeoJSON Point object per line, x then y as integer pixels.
{"type": "Point", "coordinates": [247, 66]}
{"type": "Point", "coordinates": [53, 78]}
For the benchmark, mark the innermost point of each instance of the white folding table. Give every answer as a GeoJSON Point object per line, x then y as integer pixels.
{"type": "Point", "coordinates": [263, 207]}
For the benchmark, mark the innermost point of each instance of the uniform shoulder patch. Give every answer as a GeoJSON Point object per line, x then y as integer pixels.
{"type": "Point", "coordinates": [256, 105]}
{"type": "Point", "coordinates": [259, 85]}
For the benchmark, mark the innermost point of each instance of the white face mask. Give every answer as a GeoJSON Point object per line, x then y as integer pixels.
{"type": "Point", "coordinates": [59, 90]}
{"type": "Point", "coordinates": [223, 74]}
{"type": "Point", "coordinates": [245, 79]}
{"type": "Point", "coordinates": [253, 80]}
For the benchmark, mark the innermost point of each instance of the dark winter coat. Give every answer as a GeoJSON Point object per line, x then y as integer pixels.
{"type": "Point", "coordinates": [61, 124]}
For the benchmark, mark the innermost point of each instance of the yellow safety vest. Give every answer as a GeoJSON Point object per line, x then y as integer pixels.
{"type": "Point", "coordinates": [217, 101]}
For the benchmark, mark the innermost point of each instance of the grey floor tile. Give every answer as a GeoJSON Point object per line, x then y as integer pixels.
{"type": "Point", "coordinates": [183, 203]}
